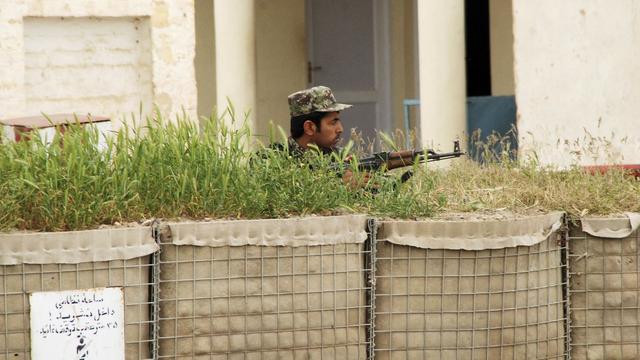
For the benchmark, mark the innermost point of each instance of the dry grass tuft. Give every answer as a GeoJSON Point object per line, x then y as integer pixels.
{"type": "Point", "coordinates": [526, 188]}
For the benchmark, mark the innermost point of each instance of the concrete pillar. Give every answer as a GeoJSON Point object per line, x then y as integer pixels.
{"type": "Point", "coordinates": [236, 56]}
{"type": "Point", "coordinates": [442, 73]}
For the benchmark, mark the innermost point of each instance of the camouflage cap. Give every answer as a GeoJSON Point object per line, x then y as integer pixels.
{"type": "Point", "coordinates": [318, 98]}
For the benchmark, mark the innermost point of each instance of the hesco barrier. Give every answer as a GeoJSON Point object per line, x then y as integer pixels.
{"type": "Point", "coordinates": [470, 289]}
{"type": "Point", "coordinates": [605, 288]}
{"type": "Point", "coordinates": [264, 289]}
{"type": "Point", "coordinates": [306, 287]}
{"type": "Point", "coordinates": [115, 257]}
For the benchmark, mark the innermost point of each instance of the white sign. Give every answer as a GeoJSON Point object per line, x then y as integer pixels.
{"type": "Point", "coordinates": [77, 324]}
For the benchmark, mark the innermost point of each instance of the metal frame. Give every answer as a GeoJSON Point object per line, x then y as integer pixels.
{"type": "Point", "coordinates": [406, 105]}
{"type": "Point", "coordinates": [563, 239]}
{"type": "Point", "coordinates": [155, 293]}
{"type": "Point", "coordinates": [370, 281]}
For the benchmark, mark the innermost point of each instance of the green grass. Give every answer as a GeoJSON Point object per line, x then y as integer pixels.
{"type": "Point", "coordinates": [525, 187]}
{"type": "Point", "coordinates": [176, 170]}
{"type": "Point", "coordinates": [167, 170]}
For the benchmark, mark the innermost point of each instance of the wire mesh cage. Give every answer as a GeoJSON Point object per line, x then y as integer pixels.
{"type": "Point", "coordinates": [263, 301]}
{"type": "Point", "coordinates": [501, 303]}
{"type": "Point", "coordinates": [604, 292]}
{"type": "Point", "coordinates": [18, 281]}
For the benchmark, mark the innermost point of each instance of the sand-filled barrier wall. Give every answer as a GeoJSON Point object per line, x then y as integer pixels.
{"type": "Point", "coordinates": [321, 287]}
{"type": "Point", "coordinates": [605, 288]}
{"type": "Point", "coordinates": [264, 289]}
{"type": "Point", "coordinates": [470, 289]}
{"type": "Point", "coordinates": [35, 262]}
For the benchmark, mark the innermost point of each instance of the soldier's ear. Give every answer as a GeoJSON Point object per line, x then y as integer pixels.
{"type": "Point", "coordinates": [309, 127]}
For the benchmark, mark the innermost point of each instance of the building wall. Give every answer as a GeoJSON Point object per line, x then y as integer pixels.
{"type": "Point", "coordinates": [577, 74]}
{"type": "Point", "coordinates": [205, 57]}
{"type": "Point", "coordinates": [106, 57]}
{"type": "Point", "coordinates": [281, 51]}
{"type": "Point", "coordinates": [65, 58]}
{"type": "Point", "coordinates": [404, 77]}
{"type": "Point", "coordinates": [501, 38]}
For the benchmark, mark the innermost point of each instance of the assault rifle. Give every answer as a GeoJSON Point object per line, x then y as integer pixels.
{"type": "Point", "coordinates": [389, 160]}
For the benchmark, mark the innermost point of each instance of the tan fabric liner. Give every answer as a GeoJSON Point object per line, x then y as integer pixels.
{"type": "Point", "coordinates": [612, 227]}
{"type": "Point", "coordinates": [471, 235]}
{"type": "Point", "coordinates": [72, 247]}
{"type": "Point", "coordinates": [306, 231]}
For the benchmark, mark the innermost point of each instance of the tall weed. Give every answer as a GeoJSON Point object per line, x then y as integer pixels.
{"type": "Point", "coordinates": [177, 169]}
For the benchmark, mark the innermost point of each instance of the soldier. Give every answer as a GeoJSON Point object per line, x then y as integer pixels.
{"type": "Point", "coordinates": [315, 120]}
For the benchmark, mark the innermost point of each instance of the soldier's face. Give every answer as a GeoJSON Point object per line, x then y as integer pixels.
{"type": "Point", "coordinates": [330, 132]}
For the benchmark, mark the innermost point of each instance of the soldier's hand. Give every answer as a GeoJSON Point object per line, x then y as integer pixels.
{"type": "Point", "coordinates": [355, 182]}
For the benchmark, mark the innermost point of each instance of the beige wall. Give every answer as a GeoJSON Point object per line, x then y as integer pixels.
{"type": "Point", "coordinates": [442, 72]}
{"type": "Point", "coordinates": [170, 46]}
{"type": "Point", "coordinates": [281, 60]}
{"type": "Point", "coordinates": [205, 58]}
{"type": "Point", "coordinates": [403, 55]}
{"type": "Point", "coordinates": [577, 74]}
{"type": "Point", "coordinates": [66, 62]}
{"type": "Point", "coordinates": [501, 38]}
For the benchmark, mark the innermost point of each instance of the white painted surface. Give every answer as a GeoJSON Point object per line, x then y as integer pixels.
{"type": "Point", "coordinates": [7, 133]}
{"type": "Point", "coordinates": [104, 129]}
{"type": "Point", "coordinates": [77, 324]}
{"type": "Point", "coordinates": [173, 41]}
{"type": "Point", "coordinates": [47, 134]}
{"type": "Point", "coordinates": [100, 66]}
{"type": "Point", "coordinates": [442, 72]}
{"type": "Point", "coordinates": [172, 47]}
{"type": "Point", "coordinates": [236, 56]}
{"type": "Point", "coordinates": [12, 99]}
{"type": "Point", "coordinates": [577, 79]}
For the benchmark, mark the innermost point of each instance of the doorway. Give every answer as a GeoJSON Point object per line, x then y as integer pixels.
{"type": "Point", "coordinates": [348, 51]}
{"type": "Point", "coordinates": [491, 106]}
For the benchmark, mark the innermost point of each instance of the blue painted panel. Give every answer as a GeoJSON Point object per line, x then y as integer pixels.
{"type": "Point", "coordinates": [491, 115]}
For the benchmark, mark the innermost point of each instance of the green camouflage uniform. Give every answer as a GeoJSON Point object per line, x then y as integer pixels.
{"type": "Point", "coordinates": [318, 98]}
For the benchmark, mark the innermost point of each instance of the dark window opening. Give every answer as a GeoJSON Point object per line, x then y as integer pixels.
{"type": "Point", "coordinates": [478, 47]}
